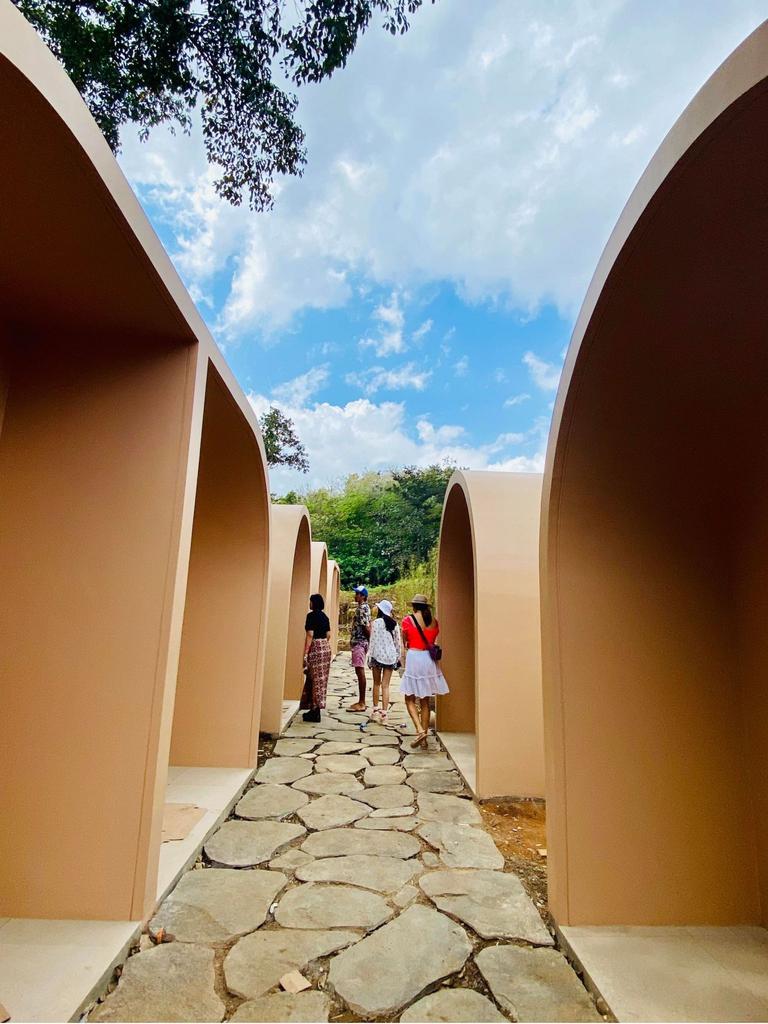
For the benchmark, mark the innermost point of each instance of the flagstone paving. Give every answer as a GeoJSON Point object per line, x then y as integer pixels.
{"type": "Point", "coordinates": [364, 865]}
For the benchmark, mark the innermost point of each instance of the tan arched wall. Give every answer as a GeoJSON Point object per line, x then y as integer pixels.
{"type": "Point", "coordinates": [334, 585]}
{"type": "Point", "coordinates": [319, 570]}
{"type": "Point", "coordinates": [218, 692]}
{"type": "Point", "coordinates": [290, 560]}
{"type": "Point", "coordinates": [488, 608]}
{"type": "Point", "coordinates": [103, 367]}
{"type": "Point", "coordinates": [654, 541]}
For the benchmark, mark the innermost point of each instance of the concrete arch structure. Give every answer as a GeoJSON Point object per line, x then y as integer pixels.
{"type": "Point", "coordinates": [289, 579]}
{"type": "Point", "coordinates": [319, 569]}
{"type": "Point", "coordinates": [488, 606]}
{"type": "Point", "coordinates": [114, 394]}
{"type": "Point", "coordinates": [334, 589]}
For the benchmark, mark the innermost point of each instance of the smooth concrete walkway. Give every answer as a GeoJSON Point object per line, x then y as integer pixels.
{"type": "Point", "coordinates": [362, 866]}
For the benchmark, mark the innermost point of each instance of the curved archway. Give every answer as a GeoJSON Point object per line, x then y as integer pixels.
{"type": "Point", "coordinates": [488, 606]}
{"type": "Point", "coordinates": [319, 569]}
{"type": "Point", "coordinates": [654, 548]}
{"type": "Point", "coordinates": [289, 575]}
{"type": "Point", "coordinates": [334, 587]}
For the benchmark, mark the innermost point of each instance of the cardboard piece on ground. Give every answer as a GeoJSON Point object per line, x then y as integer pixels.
{"type": "Point", "coordinates": [294, 982]}
{"type": "Point", "coordinates": [179, 820]}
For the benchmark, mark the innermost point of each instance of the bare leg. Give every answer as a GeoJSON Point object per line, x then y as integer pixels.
{"type": "Point", "coordinates": [410, 704]}
{"type": "Point", "coordinates": [424, 709]}
{"type": "Point", "coordinates": [376, 673]}
{"type": "Point", "coordinates": [362, 684]}
{"type": "Point", "coordinates": [386, 676]}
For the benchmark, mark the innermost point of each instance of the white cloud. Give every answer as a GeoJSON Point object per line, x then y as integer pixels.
{"type": "Point", "coordinates": [423, 330]}
{"type": "Point", "coordinates": [378, 378]}
{"type": "Point", "coordinates": [544, 375]}
{"type": "Point", "coordinates": [461, 367]}
{"type": "Point", "coordinates": [300, 389]}
{"type": "Point", "coordinates": [391, 319]}
{"type": "Point", "coordinates": [517, 400]}
{"type": "Point", "coordinates": [491, 147]}
{"type": "Point", "coordinates": [364, 435]}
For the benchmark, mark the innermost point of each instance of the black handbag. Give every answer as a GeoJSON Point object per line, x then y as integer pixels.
{"type": "Point", "coordinates": [435, 650]}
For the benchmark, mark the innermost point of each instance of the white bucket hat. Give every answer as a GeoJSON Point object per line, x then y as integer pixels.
{"type": "Point", "coordinates": [386, 607]}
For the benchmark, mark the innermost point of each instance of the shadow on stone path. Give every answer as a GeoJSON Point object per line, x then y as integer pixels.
{"type": "Point", "coordinates": [365, 866]}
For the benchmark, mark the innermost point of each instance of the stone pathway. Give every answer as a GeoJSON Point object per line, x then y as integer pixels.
{"type": "Point", "coordinates": [365, 867]}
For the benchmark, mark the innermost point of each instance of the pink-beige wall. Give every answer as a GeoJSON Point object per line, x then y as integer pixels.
{"type": "Point", "coordinates": [103, 368]}
{"type": "Point", "coordinates": [289, 574]}
{"type": "Point", "coordinates": [334, 587]}
{"type": "Point", "coordinates": [488, 608]}
{"type": "Point", "coordinates": [654, 552]}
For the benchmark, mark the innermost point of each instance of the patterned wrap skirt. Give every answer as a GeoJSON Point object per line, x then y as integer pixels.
{"type": "Point", "coordinates": [318, 668]}
{"type": "Point", "coordinates": [422, 677]}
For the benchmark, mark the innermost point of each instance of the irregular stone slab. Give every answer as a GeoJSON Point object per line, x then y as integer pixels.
{"type": "Point", "coordinates": [332, 811]}
{"type": "Point", "coordinates": [283, 769]}
{"type": "Point", "coordinates": [379, 739]}
{"type": "Point", "coordinates": [241, 844]}
{"type": "Point", "coordinates": [448, 809]}
{"type": "Point", "coordinates": [258, 961]}
{"type": "Point", "coordinates": [334, 747]}
{"type": "Point", "coordinates": [285, 1006]}
{"type": "Point", "coordinates": [380, 755]}
{"type": "Point", "coordinates": [384, 775]}
{"type": "Point", "coordinates": [344, 734]}
{"type": "Point", "coordinates": [171, 982]}
{"type": "Point", "coordinates": [452, 1004]}
{"type": "Point", "coordinates": [428, 762]}
{"type": "Point", "coordinates": [461, 846]}
{"type": "Point", "coordinates": [389, 968]}
{"type": "Point", "coordinates": [270, 801]}
{"type": "Point", "coordinates": [405, 897]}
{"type": "Point", "coordinates": [382, 874]}
{"type": "Point", "coordinates": [385, 824]}
{"type": "Point", "coordinates": [332, 906]}
{"type": "Point", "coordinates": [340, 842]}
{"type": "Point", "coordinates": [347, 763]}
{"type": "Point", "coordinates": [436, 782]}
{"type": "Point", "coordinates": [290, 860]}
{"type": "Point", "coordinates": [217, 905]}
{"type": "Point", "coordinates": [329, 782]}
{"type": "Point", "coordinates": [535, 984]}
{"type": "Point", "coordinates": [387, 796]}
{"type": "Point", "coordinates": [393, 812]}
{"type": "Point", "coordinates": [494, 904]}
{"type": "Point", "coordinates": [301, 730]}
{"type": "Point", "coordinates": [291, 748]}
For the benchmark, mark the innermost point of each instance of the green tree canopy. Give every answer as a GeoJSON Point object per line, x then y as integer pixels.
{"type": "Point", "coordinates": [155, 61]}
{"type": "Point", "coordinates": [378, 525]}
{"type": "Point", "coordinates": [281, 442]}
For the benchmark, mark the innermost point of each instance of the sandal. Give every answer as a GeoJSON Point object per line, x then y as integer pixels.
{"type": "Point", "coordinates": [420, 740]}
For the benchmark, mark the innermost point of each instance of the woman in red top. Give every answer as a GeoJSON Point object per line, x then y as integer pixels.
{"type": "Point", "coordinates": [423, 677]}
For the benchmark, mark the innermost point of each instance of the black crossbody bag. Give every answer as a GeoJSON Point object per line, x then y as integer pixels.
{"type": "Point", "coordinates": [435, 650]}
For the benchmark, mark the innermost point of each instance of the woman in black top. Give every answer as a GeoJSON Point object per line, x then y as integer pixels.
{"type": "Point", "coordinates": [317, 659]}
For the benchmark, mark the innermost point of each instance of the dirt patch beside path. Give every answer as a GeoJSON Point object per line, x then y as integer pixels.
{"type": "Point", "coordinates": [518, 828]}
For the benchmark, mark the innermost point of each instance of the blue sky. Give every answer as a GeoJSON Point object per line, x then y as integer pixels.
{"type": "Point", "coordinates": [410, 298]}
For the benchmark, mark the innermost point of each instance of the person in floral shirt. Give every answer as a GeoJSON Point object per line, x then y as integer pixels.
{"type": "Point", "coordinates": [361, 633]}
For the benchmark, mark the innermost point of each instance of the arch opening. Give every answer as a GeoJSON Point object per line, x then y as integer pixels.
{"type": "Point", "coordinates": [334, 591]}
{"type": "Point", "coordinates": [319, 582]}
{"type": "Point", "coordinates": [294, 660]}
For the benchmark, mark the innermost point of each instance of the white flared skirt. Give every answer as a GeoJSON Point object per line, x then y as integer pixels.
{"type": "Point", "coordinates": [422, 677]}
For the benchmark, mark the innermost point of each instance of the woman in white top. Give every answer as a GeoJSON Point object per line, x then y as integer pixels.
{"type": "Point", "coordinates": [383, 656]}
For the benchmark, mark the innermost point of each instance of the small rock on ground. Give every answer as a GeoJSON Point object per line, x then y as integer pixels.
{"type": "Point", "coordinates": [331, 906]}
{"type": "Point", "coordinates": [493, 903]}
{"type": "Point", "coordinates": [337, 783]}
{"type": "Point", "coordinates": [384, 775]}
{"type": "Point", "coordinates": [535, 984]}
{"type": "Point", "coordinates": [436, 782]}
{"type": "Point", "coordinates": [452, 1004]}
{"type": "Point", "coordinates": [284, 1006]}
{"type": "Point", "coordinates": [242, 844]}
{"type": "Point", "coordinates": [387, 796]}
{"type": "Point", "coordinates": [338, 842]}
{"type": "Point", "coordinates": [462, 846]}
{"type": "Point", "coordinates": [382, 874]}
{"type": "Point", "coordinates": [270, 801]}
{"type": "Point", "coordinates": [172, 982]}
{"type": "Point", "coordinates": [257, 962]}
{"type": "Point", "coordinates": [389, 968]}
{"type": "Point", "coordinates": [448, 809]}
{"type": "Point", "coordinates": [332, 811]}
{"type": "Point", "coordinates": [283, 770]}
{"type": "Point", "coordinates": [217, 905]}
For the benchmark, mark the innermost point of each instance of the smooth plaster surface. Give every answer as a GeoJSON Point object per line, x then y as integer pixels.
{"type": "Point", "coordinates": [654, 543]}
{"type": "Point", "coordinates": [104, 363]}
{"type": "Point", "coordinates": [488, 608]}
{"type": "Point", "coordinates": [319, 569]}
{"type": "Point", "coordinates": [289, 578]}
{"type": "Point", "coordinates": [334, 586]}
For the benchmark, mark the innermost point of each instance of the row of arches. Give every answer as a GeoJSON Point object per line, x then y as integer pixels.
{"type": "Point", "coordinates": [152, 602]}
{"type": "Point", "coordinates": [640, 665]}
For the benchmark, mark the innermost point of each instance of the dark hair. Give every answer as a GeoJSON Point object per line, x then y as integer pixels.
{"type": "Point", "coordinates": [426, 614]}
{"type": "Point", "coordinates": [389, 622]}
{"type": "Point", "coordinates": [316, 602]}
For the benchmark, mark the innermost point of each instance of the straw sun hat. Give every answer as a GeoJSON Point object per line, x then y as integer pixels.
{"type": "Point", "coordinates": [419, 599]}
